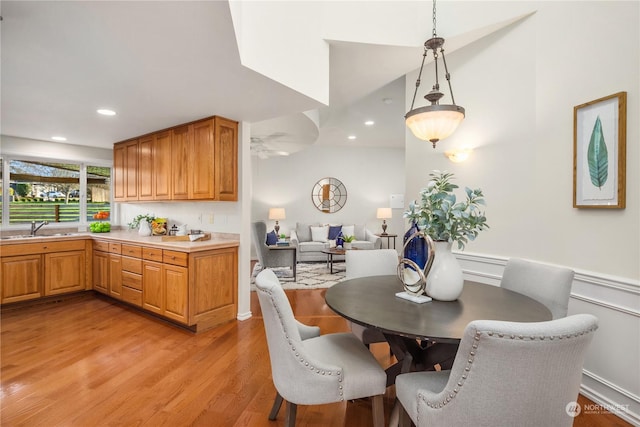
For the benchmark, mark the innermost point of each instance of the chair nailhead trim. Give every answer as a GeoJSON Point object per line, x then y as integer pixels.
{"type": "Point", "coordinates": [475, 346]}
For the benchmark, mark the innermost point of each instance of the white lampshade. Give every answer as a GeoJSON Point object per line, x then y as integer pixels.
{"type": "Point", "coordinates": [434, 124]}
{"type": "Point", "coordinates": [276, 213]}
{"type": "Point", "coordinates": [384, 213]}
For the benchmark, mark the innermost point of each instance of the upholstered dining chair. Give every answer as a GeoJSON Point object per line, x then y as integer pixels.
{"type": "Point", "coordinates": [316, 370]}
{"type": "Point", "coordinates": [550, 285]}
{"type": "Point", "coordinates": [266, 257]}
{"type": "Point", "coordinates": [504, 374]}
{"type": "Point", "coordinates": [377, 262]}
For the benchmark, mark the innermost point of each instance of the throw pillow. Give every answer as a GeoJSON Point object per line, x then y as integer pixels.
{"type": "Point", "coordinates": [334, 230]}
{"type": "Point", "coordinates": [303, 231]}
{"type": "Point", "coordinates": [348, 230]}
{"type": "Point", "coordinates": [272, 239]}
{"type": "Point", "coordinates": [320, 234]}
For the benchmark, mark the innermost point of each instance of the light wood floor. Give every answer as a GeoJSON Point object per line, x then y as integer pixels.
{"type": "Point", "coordinates": [89, 361]}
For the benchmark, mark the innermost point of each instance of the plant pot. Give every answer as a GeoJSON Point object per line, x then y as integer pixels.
{"type": "Point", "coordinates": [144, 229]}
{"type": "Point", "coordinates": [445, 280]}
{"type": "Point", "coordinates": [347, 245]}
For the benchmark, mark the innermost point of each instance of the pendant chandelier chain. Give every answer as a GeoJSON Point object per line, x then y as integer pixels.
{"type": "Point", "coordinates": [434, 19]}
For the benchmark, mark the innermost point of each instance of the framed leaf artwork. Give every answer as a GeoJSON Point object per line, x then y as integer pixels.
{"type": "Point", "coordinates": [599, 153]}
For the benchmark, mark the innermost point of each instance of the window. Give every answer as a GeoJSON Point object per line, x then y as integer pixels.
{"type": "Point", "coordinates": [58, 192]}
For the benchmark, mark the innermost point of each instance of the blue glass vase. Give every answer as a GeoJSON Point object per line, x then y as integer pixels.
{"type": "Point", "coordinates": [416, 248]}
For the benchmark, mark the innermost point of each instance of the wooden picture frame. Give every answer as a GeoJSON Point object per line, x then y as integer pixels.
{"type": "Point", "coordinates": [599, 152]}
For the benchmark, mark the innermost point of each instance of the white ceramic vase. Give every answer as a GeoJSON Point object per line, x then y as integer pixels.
{"type": "Point", "coordinates": [144, 229]}
{"type": "Point", "coordinates": [347, 245]}
{"type": "Point", "coordinates": [444, 281]}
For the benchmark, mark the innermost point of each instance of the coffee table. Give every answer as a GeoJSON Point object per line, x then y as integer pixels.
{"type": "Point", "coordinates": [330, 253]}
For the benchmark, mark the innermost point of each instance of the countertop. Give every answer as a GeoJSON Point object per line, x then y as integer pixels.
{"type": "Point", "coordinates": [217, 241]}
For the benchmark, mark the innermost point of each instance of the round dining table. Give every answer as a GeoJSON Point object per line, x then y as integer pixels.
{"type": "Point", "coordinates": [419, 334]}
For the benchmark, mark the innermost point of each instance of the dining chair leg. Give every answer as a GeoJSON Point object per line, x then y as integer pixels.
{"type": "Point", "coordinates": [377, 407]}
{"type": "Point", "coordinates": [290, 418]}
{"type": "Point", "coordinates": [405, 420]}
{"type": "Point", "coordinates": [277, 403]}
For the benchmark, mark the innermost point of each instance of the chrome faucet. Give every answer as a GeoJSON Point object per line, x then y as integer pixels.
{"type": "Point", "coordinates": [35, 228]}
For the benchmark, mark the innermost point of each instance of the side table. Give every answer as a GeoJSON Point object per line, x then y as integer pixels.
{"type": "Point", "coordinates": [389, 236]}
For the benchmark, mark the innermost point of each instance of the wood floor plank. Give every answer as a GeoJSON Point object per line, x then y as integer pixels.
{"type": "Point", "coordinates": [90, 361]}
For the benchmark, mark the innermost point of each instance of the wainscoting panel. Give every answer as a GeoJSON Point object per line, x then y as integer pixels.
{"type": "Point", "coordinates": [611, 375]}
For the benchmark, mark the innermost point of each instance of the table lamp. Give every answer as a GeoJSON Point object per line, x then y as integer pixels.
{"type": "Point", "coordinates": [277, 214]}
{"type": "Point", "coordinates": [384, 214]}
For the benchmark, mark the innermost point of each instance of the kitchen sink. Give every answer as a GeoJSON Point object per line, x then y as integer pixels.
{"type": "Point", "coordinates": [28, 236]}
{"type": "Point", "coordinates": [20, 236]}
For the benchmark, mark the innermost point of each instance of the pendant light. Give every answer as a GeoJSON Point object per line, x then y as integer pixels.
{"type": "Point", "coordinates": [436, 121]}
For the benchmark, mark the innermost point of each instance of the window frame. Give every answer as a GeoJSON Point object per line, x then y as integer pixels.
{"type": "Point", "coordinates": [83, 224]}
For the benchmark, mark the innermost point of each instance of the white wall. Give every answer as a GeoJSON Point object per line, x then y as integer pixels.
{"type": "Point", "coordinates": [519, 87]}
{"type": "Point", "coordinates": [370, 175]}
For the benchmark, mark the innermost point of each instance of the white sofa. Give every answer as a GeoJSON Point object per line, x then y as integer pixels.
{"type": "Point", "coordinates": [310, 242]}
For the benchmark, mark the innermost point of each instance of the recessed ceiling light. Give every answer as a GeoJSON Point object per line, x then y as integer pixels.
{"type": "Point", "coordinates": [351, 137]}
{"type": "Point", "coordinates": [369, 123]}
{"type": "Point", "coordinates": [58, 138]}
{"type": "Point", "coordinates": [282, 153]}
{"type": "Point", "coordinates": [106, 112]}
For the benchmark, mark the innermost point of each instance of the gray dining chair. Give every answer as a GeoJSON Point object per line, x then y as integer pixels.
{"type": "Point", "coordinates": [550, 285]}
{"type": "Point", "coordinates": [266, 257]}
{"type": "Point", "coordinates": [360, 263]}
{"type": "Point", "coordinates": [316, 370]}
{"type": "Point", "coordinates": [505, 374]}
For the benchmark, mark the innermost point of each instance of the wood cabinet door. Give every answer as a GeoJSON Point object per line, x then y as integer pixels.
{"type": "Point", "coordinates": [119, 172]}
{"type": "Point", "coordinates": [176, 284]}
{"type": "Point", "coordinates": [201, 173]}
{"type": "Point", "coordinates": [226, 158]}
{"type": "Point", "coordinates": [115, 276]}
{"type": "Point", "coordinates": [64, 272]}
{"type": "Point", "coordinates": [180, 146]}
{"type": "Point", "coordinates": [101, 272]}
{"type": "Point", "coordinates": [131, 170]}
{"type": "Point", "coordinates": [162, 165]}
{"type": "Point", "coordinates": [21, 278]}
{"type": "Point", "coordinates": [145, 168]}
{"type": "Point", "coordinates": [152, 287]}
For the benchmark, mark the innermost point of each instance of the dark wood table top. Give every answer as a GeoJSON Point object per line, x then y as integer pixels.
{"type": "Point", "coordinates": [371, 302]}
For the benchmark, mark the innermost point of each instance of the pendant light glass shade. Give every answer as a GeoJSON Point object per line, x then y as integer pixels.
{"type": "Point", "coordinates": [434, 122]}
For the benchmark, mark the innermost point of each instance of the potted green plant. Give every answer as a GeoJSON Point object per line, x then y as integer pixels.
{"type": "Point", "coordinates": [143, 224]}
{"type": "Point", "coordinates": [347, 241]}
{"type": "Point", "coordinates": [439, 215]}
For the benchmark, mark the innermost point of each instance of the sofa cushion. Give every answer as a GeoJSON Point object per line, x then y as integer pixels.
{"type": "Point", "coordinates": [334, 231]}
{"type": "Point", "coordinates": [348, 230]}
{"type": "Point", "coordinates": [359, 232]}
{"type": "Point", "coordinates": [320, 233]}
{"type": "Point", "coordinates": [272, 239]}
{"type": "Point", "coordinates": [311, 247]}
{"type": "Point", "coordinates": [303, 230]}
{"type": "Point", "coordinates": [362, 244]}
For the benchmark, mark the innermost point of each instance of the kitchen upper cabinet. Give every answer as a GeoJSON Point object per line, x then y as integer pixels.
{"type": "Point", "coordinates": [162, 165]}
{"type": "Point", "coordinates": [125, 165]}
{"type": "Point", "coordinates": [226, 159]}
{"type": "Point", "coordinates": [201, 176]}
{"type": "Point", "coordinates": [145, 168]}
{"type": "Point", "coordinates": [195, 161]}
{"type": "Point", "coordinates": [181, 144]}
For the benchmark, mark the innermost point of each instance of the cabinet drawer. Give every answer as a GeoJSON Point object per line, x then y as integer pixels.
{"type": "Point", "coordinates": [132, 280]}
{"type": "Point", "coordinates": [133, 265]}
{"type": "Point", "coordinates": [175, 258]}
{"type": "Point", "coordinates": [152, 254]}
{"type": "Point", "coordinates": [99, 245]}
{"type": "Point", "coordinates": [132, 251]}
{"type": "Point", "coordinates": [132, 296]}
{"type": "Point", "coordinates": [115, 248]}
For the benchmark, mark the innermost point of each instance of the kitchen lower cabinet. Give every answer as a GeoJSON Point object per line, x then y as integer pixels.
{"type": "Point", "coordinates": [35, 270]}
{"type": "Point", "coordinates": [152, 287]}
{"type": "Point", "coordinates": [21, 278]}
{"type": "Point", "coordinates": [100, 271]}
{"type": "Point", "coordinates": [64, 272]}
